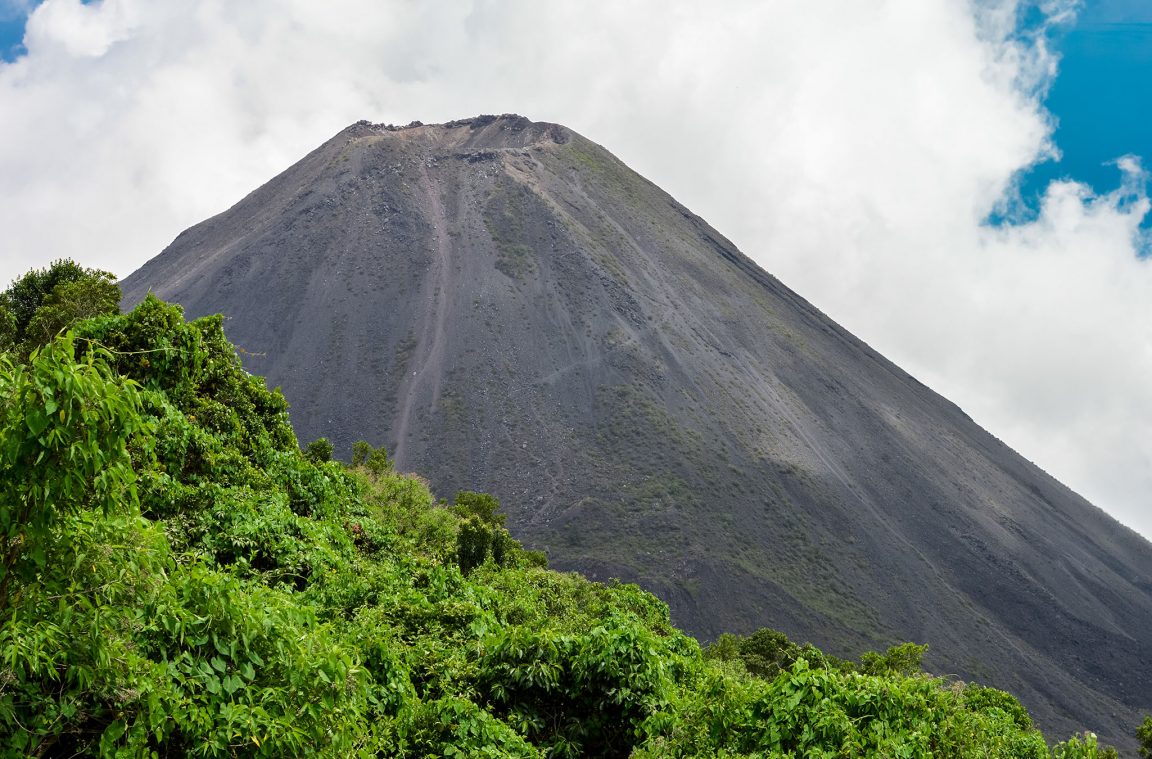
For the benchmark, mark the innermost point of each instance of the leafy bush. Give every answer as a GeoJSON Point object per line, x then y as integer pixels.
{"type": "Point", "coordinates": [1082, 747]}
{"type": "Point", "coordinates": [577, 695]}
{"type": "Point", "coordinates": [319, 451]}
{"type": "Point", "coordinates": [767, 652]}
{"type": "Point", "coordinates": [64, 451]}
{"type": "Point", "coordinates": [904, 659]}
{"type": "Point", "coordinates": [178, 578]}
{"type": "Point", "coordinates": [1144, 735]}
{"type": "Point", "coordinates": [44, 302]}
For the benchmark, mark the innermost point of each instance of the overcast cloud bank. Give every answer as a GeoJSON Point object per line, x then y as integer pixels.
{"type": "Point", "coordinates": [854, 149]}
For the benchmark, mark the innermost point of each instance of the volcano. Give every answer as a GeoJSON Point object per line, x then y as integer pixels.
{"type": "Point", "coordinates": [506, 307]}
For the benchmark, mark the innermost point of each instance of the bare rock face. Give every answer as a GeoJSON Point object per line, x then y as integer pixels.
{"type": "Point", "coordinates": [506, 307]}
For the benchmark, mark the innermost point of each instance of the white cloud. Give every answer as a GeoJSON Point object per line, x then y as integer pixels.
{"type": "Point", "coordinates": [71, 29]}
{"type": "Point", "coordinates": [851, 146]}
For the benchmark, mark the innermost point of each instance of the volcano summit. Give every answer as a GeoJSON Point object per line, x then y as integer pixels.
{"type": "Point", "coordinates": [506, 307]}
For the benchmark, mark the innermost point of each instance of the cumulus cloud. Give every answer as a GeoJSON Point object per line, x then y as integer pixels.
{"type": "Point", "coordinates": [853, 148]}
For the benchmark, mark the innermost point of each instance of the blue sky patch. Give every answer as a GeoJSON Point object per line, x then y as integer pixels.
{"type": "Point", "coordinates": [1102, 104]}
{"type": "Point", "coordinates": [11, 36]}
{"type": "Point", "coordinates": [12, 22]}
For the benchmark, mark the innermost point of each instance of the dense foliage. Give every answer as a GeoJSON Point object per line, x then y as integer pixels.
{"type": "Point", "coordinates": [40, 304]}
{"type": "Point", "coordinates": [179, 578]}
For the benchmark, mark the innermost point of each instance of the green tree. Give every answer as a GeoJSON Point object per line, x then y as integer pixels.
{"type": "Point", "coordinates": [66, 428]}
{"type": "Point", "coordinates": [482, 534]}
{"type": "Point", "coordinates": [361, 450]}
{"type": "Point", "coordinates": [111, 643]}
{"type": "Point", "coordinates": [1083, 746]}
{"type": "Point", "coordinates": [375, 460]}
{"type": "Point", "coordinates": [578, 695]}
{"type": "Point", "coordinates": [904, 659]}
{"type": "Point", "coordinates": [74, 558]}
{"type": "Point", "coordinates": [483, 506]}
{"type": "Point", "coordinates": [767, 652]}
{"type": "Point", "coordinates": [473, 544]}
{"type": "Point", "coordinates": [980, 698]}
{"type": "Point", "coordinates": [70, 302]}
{"type": "Point", "coordinates": [1144, 735]}
{"type": "Point", "coordinates": [724, 648]}
{"type": "Point", "coordinates": [319, 450]}
{"type": "Point", "coordinates": [42, 303]}
{"type": "Point", "coordinates": [7, 328]}
{"type": "Point", "coordinates": [378, 462]}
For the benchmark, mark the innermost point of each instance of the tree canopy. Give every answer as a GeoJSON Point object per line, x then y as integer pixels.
{"type": "Point", "coordinates": [43, 302]}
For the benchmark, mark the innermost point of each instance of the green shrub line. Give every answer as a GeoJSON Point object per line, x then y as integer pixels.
{"type": "Point", "coordinates": [179, 578]}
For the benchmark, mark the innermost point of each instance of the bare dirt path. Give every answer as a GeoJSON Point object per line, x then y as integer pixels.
{"type": "Point", "coordinates": [422, 385]}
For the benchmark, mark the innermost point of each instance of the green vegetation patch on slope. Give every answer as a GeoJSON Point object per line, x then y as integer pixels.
{"type": "Point", "coordinates": [504, 215]}
{"type": "Point", "coordinates": [179, 579]}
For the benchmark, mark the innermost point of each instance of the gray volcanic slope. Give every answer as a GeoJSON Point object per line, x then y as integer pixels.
{"type": "Point", "coordinates": [506, 307]}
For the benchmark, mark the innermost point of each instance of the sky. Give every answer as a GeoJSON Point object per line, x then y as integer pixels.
{"type": "Point", "coordinates": [960, 183]}
{"type": "Point", "coordinates": [1100, 108]}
